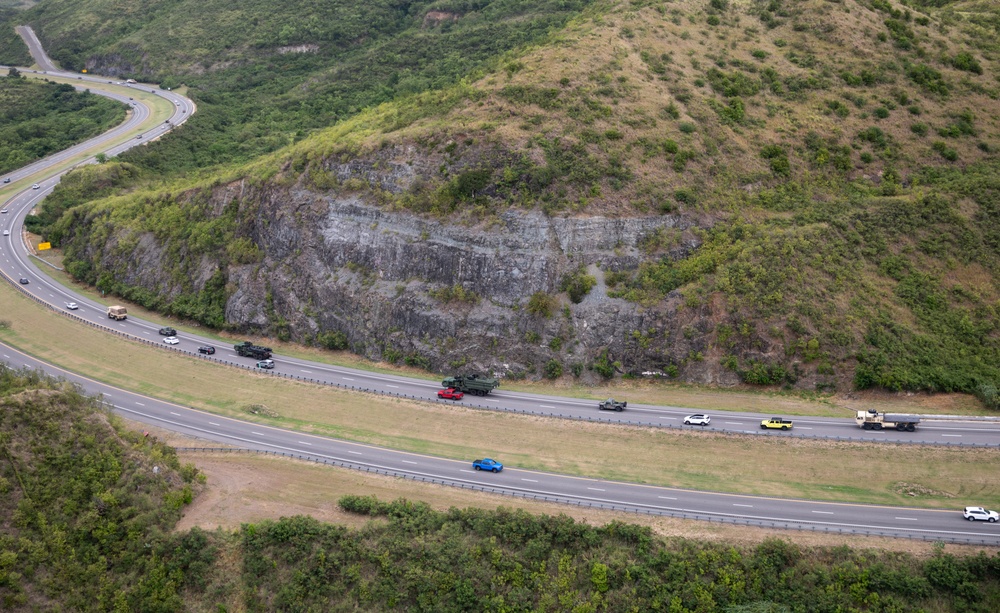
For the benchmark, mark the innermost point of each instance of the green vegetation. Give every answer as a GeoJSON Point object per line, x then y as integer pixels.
{"type": "Point", "coordinates": [265, 74]}
{"type": "Point", "coordinates": [87, 524]}
{"type": "Point", "coordinates": [844, 193]}
{"type": "Point", "coordinates": [86, 507]}
{"type": "Point", "coordinates": [41, 118]}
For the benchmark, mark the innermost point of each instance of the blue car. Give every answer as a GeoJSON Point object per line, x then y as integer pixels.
{"type": "Point", "coordinates": [491, 465]}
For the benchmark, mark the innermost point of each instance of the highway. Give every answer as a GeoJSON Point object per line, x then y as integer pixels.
{"type": "Point", "coordinates": [947, 525]}
{"type": "Point", "coordinates": [15, 263]}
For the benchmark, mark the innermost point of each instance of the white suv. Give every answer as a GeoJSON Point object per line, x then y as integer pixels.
{"type": "Point", "coordinates": [697, 420]}
{"type": "Point", "coordinates": [974, 513]}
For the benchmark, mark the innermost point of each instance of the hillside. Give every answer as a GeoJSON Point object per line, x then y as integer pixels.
{"type": "Point", "coordinates": [42, 118]}
{"type": "Point", "coordinates": [782, 193]}
{"type": "Point", "coordinates": [88, 512]}
{"type": "Point", "coordinates": [86, 505]}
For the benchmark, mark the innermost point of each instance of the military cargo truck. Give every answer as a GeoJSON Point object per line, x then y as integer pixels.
{"type": "Point", "coordinates": [117, 313]}
{"type": "Point", "coordinates": [472, 384]}
{"type": "Point", "coordinates": [249, 350]}
{"type": "Point", "coordinates": [612, 405]}
{"type": "Point", "coordinates": [873, 420]}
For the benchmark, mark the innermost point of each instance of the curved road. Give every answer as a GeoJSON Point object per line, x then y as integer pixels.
{"type": "Point", "coordinates": [784, 513]}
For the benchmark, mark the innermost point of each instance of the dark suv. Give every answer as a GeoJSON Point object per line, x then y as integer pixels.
{"type": "Point", "coordinates": [206, 349]}
{"type": "Point", "coordinates": [168, 332]}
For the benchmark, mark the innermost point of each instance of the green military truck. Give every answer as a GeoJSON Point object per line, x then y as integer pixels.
{"type": "Point", "coordinates": [472, 384]}
{"type": "Point", "coordinates": [249, 350]}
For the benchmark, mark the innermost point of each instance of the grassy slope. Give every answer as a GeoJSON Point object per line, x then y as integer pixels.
{"type": "Point", "coordinates": [842, 153]}
{"type": "Point", "coordinates": [82, 515]}
{"type": "Point", "coordinates": [42, 118]}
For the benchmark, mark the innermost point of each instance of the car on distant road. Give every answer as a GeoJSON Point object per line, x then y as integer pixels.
{"type": "Point", "coordinates": [6, 232]}
{"type": "Point", "coordinates": [23, 281]}
{"type": "Point", "coordinates": [268, 364]}
{"type": "Point", "coordinates": [168, 331]}
{"type": "Point", "coordinates": [451, 394]}
{"type": "Point", "coordinates": [4, 211]}
{"type": "Point", "coordinates": [72, 306]}
{"type": "Point", "coordinates": [488, 464]}
{"type": "Point", "coordinates": [36, 186]}
{"type": "Point", "coordinates": [171, 340]}
{"type": "Point", "coordinates": [974, 513]}
{"type": "Point", "coordinates": [206, 349]}
{"type": "Point", "coordinates": [697, 420]}
{"type": "Point", "coordinates": [7, 180]}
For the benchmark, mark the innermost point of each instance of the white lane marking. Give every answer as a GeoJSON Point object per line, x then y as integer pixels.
{"type": "Point", "coordinates": [735, 423]}
{"type": "Point", "coordinates": [347, 379]}
{"type": "Point", "coordinates": [804, 428]}
{"type": "Point", "coordinates": [177, 414]}
{"type": "Point", "coordinates": [304, 443]}
{"type": "Point", "coordinates": [532, 480]}
{"type": "Point", "coordinates": [257, 433]}
{"type": "Point", "coordinates": [742, 505]}
{"type": "Point", "coordinates": [667, 497]}
{"type": "Point", "coordinates": [387, 385]}
{"type": "Point", "coordinates": [356, 452]}
{"type": "Point", "coordinates": [824, 512]}
{"type": "Point", "coordinates": [596, 489]}
{"type": "Point", "coordinates": [407, 462]}
{"type": "Point", "coordinates": [464, 470]}
{"type": "Point", "coordinates": [145, 332]}
{"type": "Point", "coordinates": [212, 423]}
{"type": "Point", "coordinates": [908, 518]}
{"type": "Point", "coordinates": [658, 417]}
{"type": "Point", "coordinates": [140, 404]}
{"type": "Point", "coordinates": [308, 372]}
{"type": "Point", "coordinates": [958, 435]}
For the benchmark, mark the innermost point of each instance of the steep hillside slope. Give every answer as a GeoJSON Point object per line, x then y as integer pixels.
{"type": "Point", "coordinates": [795, 193]}
{"type": "Point", "coordinates": [84, 505]}
{"type": "Point", "coordinates": [266, 73]}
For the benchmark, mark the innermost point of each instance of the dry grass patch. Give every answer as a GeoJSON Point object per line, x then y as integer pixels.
{"type": "Point", "coordinates": [245, 489]}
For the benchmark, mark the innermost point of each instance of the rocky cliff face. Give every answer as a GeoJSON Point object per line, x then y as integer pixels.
{"type": "Point", "coordinates": [338, 267]}
{"type": "Point", "coordinates": [381, 278]}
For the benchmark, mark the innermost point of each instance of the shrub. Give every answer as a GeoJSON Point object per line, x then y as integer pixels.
{"type": "Point", "coordinates": [965, 61]}
{"type": "Point", "coordinates": [920, 129]}
{"type": "Point", "coordinates": [603, 365]}
{"type": "Point", "coordinates": [577, 284]}
{"type": "Point", "coordinates": [541, 304]}
{"type": "Point", "coordinates": [334, 340]}
{"type": "Point", "coordinates": [553, 369]}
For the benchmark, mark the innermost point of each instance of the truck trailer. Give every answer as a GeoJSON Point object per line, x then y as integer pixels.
{"type": "Point", "coordinates": [472, 384]}
{"type": "Point", "coordinates": [873, 420]}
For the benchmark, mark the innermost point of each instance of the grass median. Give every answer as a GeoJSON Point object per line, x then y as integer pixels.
{"type": "Point", "coordinates": [760, 465]}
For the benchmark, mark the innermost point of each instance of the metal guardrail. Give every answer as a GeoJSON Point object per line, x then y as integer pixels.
{"type": "Point", "coordinates": [634, 509]}
{"type": "Point", "coordinates": [587, 418]}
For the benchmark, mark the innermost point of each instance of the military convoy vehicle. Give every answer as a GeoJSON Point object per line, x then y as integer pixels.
{"type": "Point", "coordinates": [117, 313]}
{"type": "Point", "coordinates": [612, 405]}
{"type": "Point", "coordinates": [472, 384]}
{"type": "Point", "coordinates": [873, 420]}
{"type": "Point", "coordinates": [249, 350]}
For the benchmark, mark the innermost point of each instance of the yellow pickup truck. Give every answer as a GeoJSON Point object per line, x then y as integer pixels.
{"type": "Point", "coordinates": [776, 423]}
